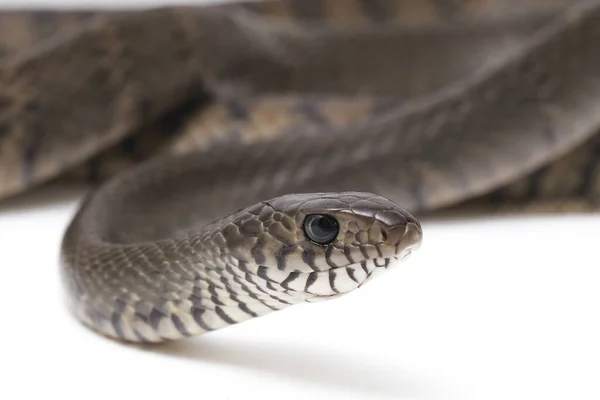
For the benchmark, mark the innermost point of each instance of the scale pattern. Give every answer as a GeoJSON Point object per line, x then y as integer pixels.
{"type": "Point", "coordinates": [186, 119]}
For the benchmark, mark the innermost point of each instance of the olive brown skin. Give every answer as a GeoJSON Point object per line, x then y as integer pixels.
{"type": "Point", "coordinates": [287, 250]}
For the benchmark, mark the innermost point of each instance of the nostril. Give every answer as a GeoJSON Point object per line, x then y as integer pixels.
{"type": "Point", "coordinates": [384, 235]}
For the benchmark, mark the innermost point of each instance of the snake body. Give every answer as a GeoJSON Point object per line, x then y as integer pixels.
{"type": "Point", "coordinates": [219, 133]}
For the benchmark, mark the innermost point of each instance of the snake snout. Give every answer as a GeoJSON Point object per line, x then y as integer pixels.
{"type": "Point", "coordinates": [405, 238]}
{"type": "Point", "coordinates": [400, 230]}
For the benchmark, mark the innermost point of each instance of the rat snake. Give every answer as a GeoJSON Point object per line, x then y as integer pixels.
{"type": "Point", "coordinates": [251, 156]}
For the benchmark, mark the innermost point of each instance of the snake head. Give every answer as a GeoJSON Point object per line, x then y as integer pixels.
{"type": "Point", "coordinates": [310, 247]}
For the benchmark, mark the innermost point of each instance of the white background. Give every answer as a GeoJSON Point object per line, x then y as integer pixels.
{"type": "Point", "coordinates": [502, 308]}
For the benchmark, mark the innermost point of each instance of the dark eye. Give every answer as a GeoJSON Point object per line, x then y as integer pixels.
{"type": "Point", "coordinates": [321, 229]}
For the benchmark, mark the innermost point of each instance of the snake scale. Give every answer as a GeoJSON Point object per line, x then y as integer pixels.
{"type": "Point", "coordinates": [246, 157]}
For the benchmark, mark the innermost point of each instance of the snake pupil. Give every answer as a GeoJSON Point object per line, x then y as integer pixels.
{"type": "Point", "coordinates": [321, 229]}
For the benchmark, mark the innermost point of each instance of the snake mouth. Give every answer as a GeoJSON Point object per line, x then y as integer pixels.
{"type": "Point", "coordinates": [380, 269]}
{"type": "Point", "coordinates": [340, 281]}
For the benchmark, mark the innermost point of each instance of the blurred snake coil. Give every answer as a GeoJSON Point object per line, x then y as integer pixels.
{"type": "Point", "coordinates": [245, 157]}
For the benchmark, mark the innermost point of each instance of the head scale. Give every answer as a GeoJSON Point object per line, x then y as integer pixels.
{"type": "Point", "coordinates": [321, 245]}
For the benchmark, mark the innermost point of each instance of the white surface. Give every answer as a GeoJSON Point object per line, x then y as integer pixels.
{"type": "Point", "coordinates": [497, 309]}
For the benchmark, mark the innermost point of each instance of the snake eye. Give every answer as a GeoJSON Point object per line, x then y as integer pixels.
{"type": "Point", "coordinates": [321, 229]}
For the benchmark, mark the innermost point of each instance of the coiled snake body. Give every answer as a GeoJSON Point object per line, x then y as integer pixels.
{"type": "Point", "coordinates": [267, 133]}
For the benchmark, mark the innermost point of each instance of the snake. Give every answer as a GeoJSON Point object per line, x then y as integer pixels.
{"type": "Point", "coordinates": [245, 157]}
